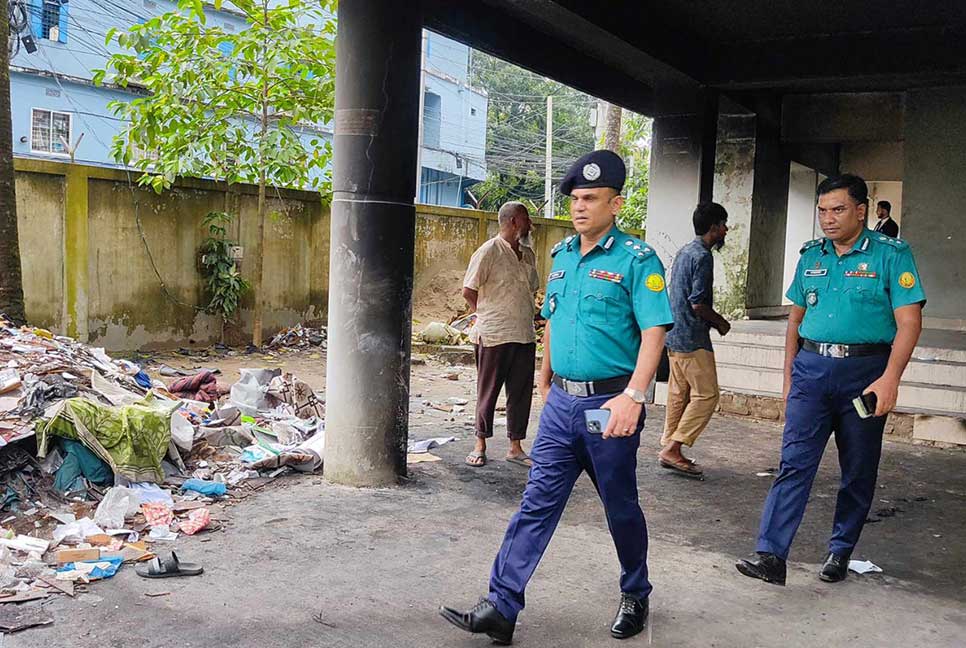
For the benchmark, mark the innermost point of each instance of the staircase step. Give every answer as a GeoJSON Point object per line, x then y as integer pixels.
{"type": "Point", "coordinates": [913, 396]}
{"type": "Point", "coordinates": [939, 372]}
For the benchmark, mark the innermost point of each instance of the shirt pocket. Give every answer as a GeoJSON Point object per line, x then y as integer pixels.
{"type": "Point", "coordinates": [863, 291]}
{"type": "Point", "coordinates": [604, 302]}
{"type": "Point", "coordinates": [555, 291]}
{"type": "Point", "coordinates": [815, 290]}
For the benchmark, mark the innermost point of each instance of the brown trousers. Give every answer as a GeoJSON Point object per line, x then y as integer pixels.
{"type": "Point", "coordinates": [511, 364]}
{"type": "Point", "coordinates": [692, 395]}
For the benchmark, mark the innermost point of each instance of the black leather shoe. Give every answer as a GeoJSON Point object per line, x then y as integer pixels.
{"type": "Point", "coordinates": [483, 617]}
{"type": "Point", "coordinates": [769, 568]}
{"type": "Point", "coordinates": [835, 569]}
{"type": "Point", "coordinates": [631, 617]}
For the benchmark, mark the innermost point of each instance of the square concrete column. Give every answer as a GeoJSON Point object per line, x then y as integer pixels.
{"type": "Point", "coordinates": [769, 212]}
{"type": "Point", "coordinates": [681, 173]}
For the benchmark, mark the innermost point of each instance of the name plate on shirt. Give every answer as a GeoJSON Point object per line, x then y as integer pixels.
{"type": "Point", "coordinates": [821, 272]}
{"type": "Point", "coordinates": [559, 274]}
{"type": "Point", "coordinates": [606, 276]}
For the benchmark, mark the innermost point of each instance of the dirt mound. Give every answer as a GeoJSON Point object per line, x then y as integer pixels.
{"type": "Point", "coordinates": [437, 296]}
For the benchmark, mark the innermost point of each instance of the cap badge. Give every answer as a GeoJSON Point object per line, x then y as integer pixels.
{"type": "Point", "coordinates": [591, 172]}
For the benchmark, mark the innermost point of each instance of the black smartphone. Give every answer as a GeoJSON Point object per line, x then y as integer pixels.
{"type": "Point", "coordinates": [865, 405]}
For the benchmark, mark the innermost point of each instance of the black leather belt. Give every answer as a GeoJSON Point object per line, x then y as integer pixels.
{"type": "Point", "coordinates": [591, 387]}
{"type": "Point", "coordinates": [830, 350]}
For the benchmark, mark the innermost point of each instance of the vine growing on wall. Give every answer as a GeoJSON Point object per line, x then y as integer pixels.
{"type": "Point", "coordinates": [224, 285]}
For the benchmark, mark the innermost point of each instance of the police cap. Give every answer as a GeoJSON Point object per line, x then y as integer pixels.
{"type": "Point", "coordinates": [596, 169]}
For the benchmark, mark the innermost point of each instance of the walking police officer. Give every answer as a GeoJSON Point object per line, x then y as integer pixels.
{"type": "Point", "coordinates": [855, 320]}
{"type": "Point", "coordinates": [607, 312]}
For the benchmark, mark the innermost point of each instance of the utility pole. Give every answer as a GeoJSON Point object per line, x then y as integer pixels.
{"type": "Point", "coordinates": [11, 283]}
{"type": "Point", "coordinates": [548, 167]}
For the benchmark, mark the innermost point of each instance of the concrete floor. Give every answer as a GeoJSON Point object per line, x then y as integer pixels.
{"type": "Point", "coordinates": [372, 566]}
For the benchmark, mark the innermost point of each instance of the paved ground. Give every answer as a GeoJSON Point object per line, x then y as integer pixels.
{"type": "Point", "coordinates": [311, 564]}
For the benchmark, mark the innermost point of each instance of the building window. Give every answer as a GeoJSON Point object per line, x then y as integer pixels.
{"type": "Point", "coordinates": [473, 112]}
{"type": "Point", "coordinates": [49, 131]}
{"type": "Point", "coordinates": [432, 119]}
{"type": "Point", "coordinates": [50, 20]}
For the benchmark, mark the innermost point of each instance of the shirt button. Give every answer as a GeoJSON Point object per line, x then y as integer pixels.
{"type": "Point", "coordinates": [831, 314]}
{"type": "Point", "coordinates": [834, 289]}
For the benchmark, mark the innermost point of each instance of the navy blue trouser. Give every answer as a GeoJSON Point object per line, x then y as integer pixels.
{"type": "Point", "coordinates": [819, 403]}
{"type": "Point", "coordinates": [563, 449]}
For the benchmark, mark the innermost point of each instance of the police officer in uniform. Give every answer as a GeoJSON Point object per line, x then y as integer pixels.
{"type": "Point", "coordinates": [607, 312]}
{"type": "Point", "coordinates": [855, 320]}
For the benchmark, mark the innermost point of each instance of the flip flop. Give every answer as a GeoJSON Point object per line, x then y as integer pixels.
{"type": "Point", "coordinates": [687, 469]}
{"type": "Point", "coordinates": [168, 568]}
{"type": "Point", "coordinates": [475, 455]}
{"type": "Point", "coordinates": [521, 460]}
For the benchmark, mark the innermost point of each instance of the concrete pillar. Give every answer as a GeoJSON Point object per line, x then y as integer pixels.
{"type": "Point", "coordinates": [681, 174]}
{"type": "Point", "coordinates": [373, 237]}
{"type": "Point", "coordinates": [769, 208]}
{"type": "Point", "coordinates": [933, 198]}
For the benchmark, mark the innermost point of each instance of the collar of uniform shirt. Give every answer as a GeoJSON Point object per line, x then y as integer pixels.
{"type": "Point", "coordinates": [861, 244]}
{"type": "Point", "coordinates": [613, 231]}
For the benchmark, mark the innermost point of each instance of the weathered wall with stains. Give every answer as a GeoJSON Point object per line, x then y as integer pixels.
{"type": "Point", "coordinates": [93, 246]}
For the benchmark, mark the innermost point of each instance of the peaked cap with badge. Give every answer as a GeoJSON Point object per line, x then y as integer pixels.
{"type": "Point", "coordinates": [596, 169]}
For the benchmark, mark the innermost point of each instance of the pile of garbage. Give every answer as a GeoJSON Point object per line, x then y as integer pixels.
{"type": "Point", "coordinates": [457, 332]}
{"type": "Point", "coordinates": [301, 337]}
{"type": "Point", "coordinates": [101, 466]}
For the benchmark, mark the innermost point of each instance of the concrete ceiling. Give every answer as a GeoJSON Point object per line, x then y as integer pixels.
{"type": "Point", "coordinates": [654, 55]}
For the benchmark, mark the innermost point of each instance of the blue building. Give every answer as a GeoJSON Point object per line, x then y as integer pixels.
{"type": "Point", "coordinates": [454, 124]}
{"type": "Point", "coordinates": [58, 113]}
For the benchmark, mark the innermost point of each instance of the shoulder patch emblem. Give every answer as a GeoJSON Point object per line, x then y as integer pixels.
{"type": "Point", "coordinates": [907, 280]}
{"type": "Point", "coordinates": [654, 282]}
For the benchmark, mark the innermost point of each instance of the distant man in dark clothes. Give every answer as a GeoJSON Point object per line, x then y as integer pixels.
{"type": "Point", "coordinates": [886, 225]}
{"type": "Point", "coordinates": [693, 384]}
{"type": "Point", "coordinates": [500, 285]}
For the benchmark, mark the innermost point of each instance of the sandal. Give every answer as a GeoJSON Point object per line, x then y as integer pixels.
{"type": "Point", "coordinates": [521, 460]}
{"type": "Point", "coordinates": [476, 459]}
{"type": "Point", "coordinates": [686, 468]}
{"type": "Point", "coordinates": [168, 568]}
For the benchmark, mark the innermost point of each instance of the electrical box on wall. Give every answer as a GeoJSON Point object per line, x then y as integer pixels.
{"type": "Point", "coordinates": [237, 252]}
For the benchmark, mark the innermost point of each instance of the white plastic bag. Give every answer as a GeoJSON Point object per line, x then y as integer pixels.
{"type": "Point", "coordinates": [119, 502]}
{"type": "Point", "coordinates": [182, 432]}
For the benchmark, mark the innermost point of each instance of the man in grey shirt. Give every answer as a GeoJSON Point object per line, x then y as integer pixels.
{"type": "Point", "coordinates": [693, 385]}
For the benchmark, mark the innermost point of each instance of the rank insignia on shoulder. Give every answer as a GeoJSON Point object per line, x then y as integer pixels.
{"type": "Point", "coordinates": [614, 277]}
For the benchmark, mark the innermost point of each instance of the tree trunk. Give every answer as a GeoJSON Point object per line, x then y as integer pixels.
{"type": "Point", "coordinates": [11, 282]}
{"type": "Point", "coordinates": [612, 130]}
{"type": "Point", "coordinates": [260, 252]}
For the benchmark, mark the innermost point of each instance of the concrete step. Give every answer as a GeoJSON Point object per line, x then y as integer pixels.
{"type": "Point", "coordinates": [940, 372]}
{"type": "Point", "coordinates": [924, 351]}
{"type": "Point", "coordinates": [913, 396]}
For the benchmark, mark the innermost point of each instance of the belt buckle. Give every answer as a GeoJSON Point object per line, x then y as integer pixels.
{"type": "Point", "coordinates": [575, 388]}
{"type": "Point", "coordinates": [837, 351]}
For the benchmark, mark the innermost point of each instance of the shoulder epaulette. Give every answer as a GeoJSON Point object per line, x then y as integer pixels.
{"type": "Point", "coordinates": [808, 245]}
{"type": "Point", "coordinates": [561, 245]}
{"type": "Point", "coordinates": [637, 248]}
{"type": "Point", "coordinates": [899, 244]}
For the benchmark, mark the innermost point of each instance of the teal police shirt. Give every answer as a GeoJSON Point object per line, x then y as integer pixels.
{"type": "Point", "coordinates": [850, 299]}
{"type": "Point", "coordinates": [599, 303]}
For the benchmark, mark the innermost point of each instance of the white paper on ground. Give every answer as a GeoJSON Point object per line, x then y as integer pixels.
{"type": "Point", "coordinates": [864, 567]}
{"type": "Point", "coordinates": [417, 447]}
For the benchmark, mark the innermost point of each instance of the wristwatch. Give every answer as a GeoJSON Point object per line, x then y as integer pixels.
{"type": "Point", "coordinates": [635, 395]}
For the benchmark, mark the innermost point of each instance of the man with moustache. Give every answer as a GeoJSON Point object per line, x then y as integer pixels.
{"type": "Point", "coordinates": [855, 319]}
{"type": "Point", "coordinates": [693, 384]}
{"type": "Point", "coordinates": [607, 313]}
{"type": "Point", "coordinates": [500, 285]}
